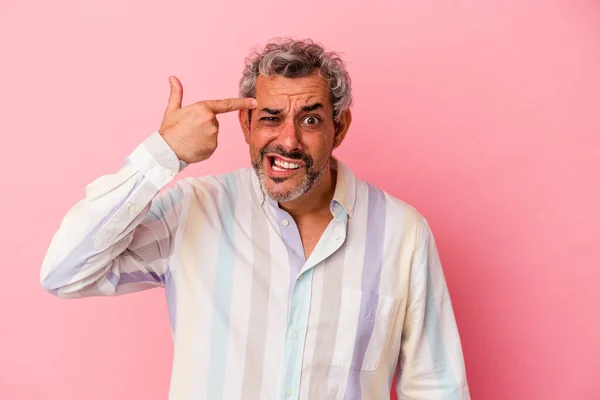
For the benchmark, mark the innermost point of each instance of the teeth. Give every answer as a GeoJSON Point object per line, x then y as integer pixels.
{"type": "Point", "coordinates": [284, 165]}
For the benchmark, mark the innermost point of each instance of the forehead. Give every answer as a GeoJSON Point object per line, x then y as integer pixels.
{"type": "Point", "coordinates": [279, 91]}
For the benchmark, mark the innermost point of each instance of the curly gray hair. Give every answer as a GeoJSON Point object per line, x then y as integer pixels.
{"type": "Point", "coordinates": [297, 58]}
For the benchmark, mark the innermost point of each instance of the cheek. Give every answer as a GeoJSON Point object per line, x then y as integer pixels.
{"type": "Point", "coordinates": [257, 141]}
{"type": "Point", "coordinates": [319, 145]}
{"type": "Point", "coordinates": [260, 136]}
{"type": "Point", "coordinates": [253, 139]}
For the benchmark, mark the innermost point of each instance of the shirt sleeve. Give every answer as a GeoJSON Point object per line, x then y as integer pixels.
{"type": "Point", "coordinates": [431, 358]}
{"type": "Point", "coordinates": [118, 239]}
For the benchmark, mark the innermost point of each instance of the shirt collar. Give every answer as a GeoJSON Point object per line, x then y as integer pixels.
{"type": "Point", "coordinates": [344, 194]}
{"type": "Point", "coordinates": [345, 188]}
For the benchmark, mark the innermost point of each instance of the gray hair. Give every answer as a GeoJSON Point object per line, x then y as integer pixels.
{"type": "Point", "coordinates": [297, 58]}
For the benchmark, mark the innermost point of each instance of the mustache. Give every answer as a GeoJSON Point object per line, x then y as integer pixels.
{"type": "Point", "coordinates": [293, 155]}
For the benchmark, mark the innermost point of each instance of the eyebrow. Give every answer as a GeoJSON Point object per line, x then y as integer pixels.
{"type": "Point", "coordinates": [277, 111]}
{"type": "Point", "coordinates": [272, 111]}
{"type": "Point", "coordinates": [312, 107]}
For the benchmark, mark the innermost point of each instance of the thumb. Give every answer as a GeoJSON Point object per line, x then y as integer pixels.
{"type": "Point", "coordinates": [176, 96]}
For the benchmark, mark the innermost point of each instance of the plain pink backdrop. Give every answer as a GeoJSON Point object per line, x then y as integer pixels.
{"type": "Point", "coordinates": [485, 115]}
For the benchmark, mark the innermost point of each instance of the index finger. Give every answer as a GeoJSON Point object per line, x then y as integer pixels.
{"type": "Point", "coordinates": [227, 105]}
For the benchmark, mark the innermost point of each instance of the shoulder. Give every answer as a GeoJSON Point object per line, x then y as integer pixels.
{"type": "Point", "coordinates": [396, 210]}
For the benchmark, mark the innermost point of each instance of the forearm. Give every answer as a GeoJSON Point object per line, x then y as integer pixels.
{"type": "Point", "coordinates": [90, 249]}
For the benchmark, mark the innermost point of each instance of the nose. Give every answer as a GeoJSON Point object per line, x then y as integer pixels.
{"type": "Point", "coordinates": [289, 136]}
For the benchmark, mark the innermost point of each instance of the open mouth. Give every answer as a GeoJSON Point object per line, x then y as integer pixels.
{"type": "Point", "coordinates": [280, 167]}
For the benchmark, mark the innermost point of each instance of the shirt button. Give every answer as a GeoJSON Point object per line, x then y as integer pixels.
{"type": "Point", "coordinates": [295, 335]}
{"type": "Point", "coordinates": [170, 172]}
{"type": "Point", "coordinates": [288, 393]}
{"type": "Point", "coordinates": [132, 208]}
{"type": "Point", "coordinates": [285, 222]}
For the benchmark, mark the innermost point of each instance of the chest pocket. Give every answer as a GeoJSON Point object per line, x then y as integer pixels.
{"type": "Point", "coordinates": [365, 327]}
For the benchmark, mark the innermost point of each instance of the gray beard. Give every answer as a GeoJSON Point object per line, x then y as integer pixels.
{"type": "Point", "coordinates": [310, 178]}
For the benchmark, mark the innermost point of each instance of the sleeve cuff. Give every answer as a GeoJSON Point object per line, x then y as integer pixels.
{"type": "Point", "coordinates": [156, 160]}
{"type": "Point", "coordinates": [162, 152]}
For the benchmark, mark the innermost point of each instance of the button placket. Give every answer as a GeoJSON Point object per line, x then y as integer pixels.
{"type": "Point", "coordinates": [295, 332]}
{"type": "Point", "coordinates": [298, 309]}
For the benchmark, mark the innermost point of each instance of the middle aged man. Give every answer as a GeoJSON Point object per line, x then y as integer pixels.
{"type": "Point", "coordinates": [290, 280]}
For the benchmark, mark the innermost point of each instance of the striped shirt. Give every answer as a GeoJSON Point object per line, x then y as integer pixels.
{"type": "Point", "coordinates": [251, 317]}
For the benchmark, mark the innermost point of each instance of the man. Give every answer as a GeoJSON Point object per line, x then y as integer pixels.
{"type": "Point", "coordinates": [290, 280]}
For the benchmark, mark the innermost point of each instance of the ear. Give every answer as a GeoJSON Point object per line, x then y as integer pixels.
{"type": "Point", "coordinates": [341, 127]}
{"type": "Point", "coordinates": [244, 117]}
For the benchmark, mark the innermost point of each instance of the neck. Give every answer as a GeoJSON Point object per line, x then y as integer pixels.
{"type": "Point", "coordinates": [317, 199]}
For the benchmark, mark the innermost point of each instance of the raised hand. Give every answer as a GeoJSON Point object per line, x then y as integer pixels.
{"type": "Point", "coordinates": [191, 131]}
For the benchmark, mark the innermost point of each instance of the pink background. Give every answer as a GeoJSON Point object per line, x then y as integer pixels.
{"type": "Point", "coordinates": [485, 115]}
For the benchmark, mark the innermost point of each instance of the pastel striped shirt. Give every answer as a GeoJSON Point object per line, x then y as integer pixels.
{"type": "Point", "coordinates": [251, 317]}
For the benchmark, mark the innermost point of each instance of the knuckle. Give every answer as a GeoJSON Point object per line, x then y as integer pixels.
{"type": "Point", "coordinates": [200, 107]}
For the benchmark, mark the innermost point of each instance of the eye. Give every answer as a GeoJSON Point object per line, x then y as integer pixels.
{"type": "Point", "coordinates": [311, 120]}
{"type": "Point", "coordinates": [269, 119]}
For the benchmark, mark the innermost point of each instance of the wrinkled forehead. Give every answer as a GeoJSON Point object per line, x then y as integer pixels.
{"type": "Point", "coordinates": [292, 93]}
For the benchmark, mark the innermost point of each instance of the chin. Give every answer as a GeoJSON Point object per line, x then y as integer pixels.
{"type": "Point", "coordinates": [284, 195]}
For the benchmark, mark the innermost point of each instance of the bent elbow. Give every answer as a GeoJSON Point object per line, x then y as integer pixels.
{"type": "Point", "coordinates": [48, 284]}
